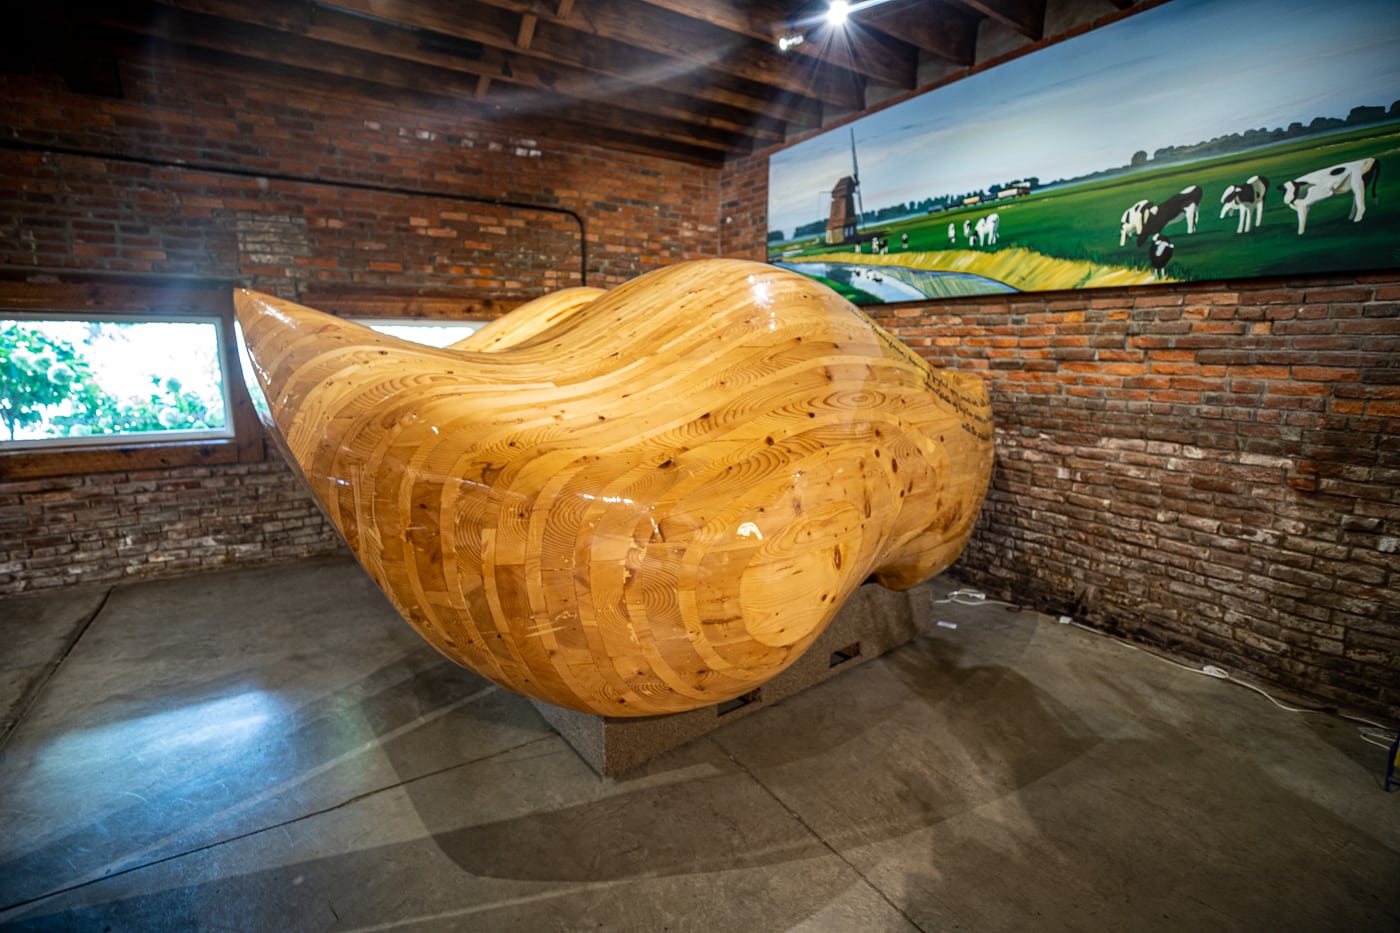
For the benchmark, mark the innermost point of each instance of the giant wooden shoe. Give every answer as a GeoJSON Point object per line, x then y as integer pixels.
{"type": "Point", "coordinates": [631, 502]}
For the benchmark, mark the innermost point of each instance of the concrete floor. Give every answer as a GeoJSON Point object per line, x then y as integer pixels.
{"type": "Point", "coordinates": [274, 749]}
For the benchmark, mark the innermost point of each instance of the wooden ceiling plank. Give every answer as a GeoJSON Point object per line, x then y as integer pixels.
{"type": "Point", "coordinates": [612, 119]}
{"type": "Point", "coordinates": [944, 30]}
{"type": "Point", "coordinates": [654, 70]}
{"type": "Point", "coordinates": [356, 32]}
{"type": "Point", "coordinates": [527, 30]}
{"type": "Point", "coordinates": [567, 126]}
{"type": "Point", "coordinates": [648, 28]}
{"type": "Point", "coordinates": [296, 16]}
{"type": "Point", "coordinates": [643, 103]}
{"type": "Point", "coordinates": [258, 43]}
{"type": "Point", "coordinates": [494, 65]}
{"type": "Point", "coordinates": [882, 56]}
{"type": "Point", "coordinates": [486, 25]}
{"type": "Point", "coordinates": [1025, 16]}
{"type": "Point", "coordinates": [562, 131]}
{"type": "Point", "coordinates": [765, 103]}
{"type": "Point", "coordinates": [561, 46]}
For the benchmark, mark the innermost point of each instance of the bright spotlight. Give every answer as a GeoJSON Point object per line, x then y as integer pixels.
{"type": "Point", "coordinates": [789, 40]}
{"type": "Point", "coordinates": [838, 11]}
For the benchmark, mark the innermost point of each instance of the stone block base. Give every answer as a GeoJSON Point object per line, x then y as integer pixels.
{"type": "Point", "coordinates": [874, 620]}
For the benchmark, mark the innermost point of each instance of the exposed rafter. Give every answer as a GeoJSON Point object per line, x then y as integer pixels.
{"type": "Point", "coordinates": [697, 81]}
{"type": "Point", "coordinates": [1025, 16]}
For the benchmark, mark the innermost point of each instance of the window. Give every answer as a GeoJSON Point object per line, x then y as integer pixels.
{"type": "Point", "coordinates": [432, 333]}
{"type": "Point", "coordinates": [82, 380]}
{"type": "Point", "coordinates": [180, 330]}
{"type": "Point", "coordinates": [113, 376]}
{"type": "Point", "coordinates": [436, 317]}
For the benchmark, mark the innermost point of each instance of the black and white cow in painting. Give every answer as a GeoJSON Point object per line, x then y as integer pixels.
{"type": "Point", "coordinates": [1131, 224]}
{"type": "Point", "coordinates": [1185, 203]}
{"type": "Point", "coordinates": [1159, 254]}
{"type": "Point", "coordinates": [1354, 177]}
{"type": "Point", "coordinates": [1247, 200]}
{"type": "Point", "coordinates": [988, 228]}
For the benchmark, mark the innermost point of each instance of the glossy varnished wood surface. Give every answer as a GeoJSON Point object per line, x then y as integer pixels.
{"type": "Point", "coordinates": [631, 502]}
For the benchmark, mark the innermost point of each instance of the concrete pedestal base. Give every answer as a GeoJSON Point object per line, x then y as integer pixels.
{"type": "Point", "coordinates": [873, 621]}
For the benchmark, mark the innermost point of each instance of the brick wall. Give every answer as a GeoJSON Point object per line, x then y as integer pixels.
{"type": "Point", "coordinates": [71, 210]}
{"type": "Point", "coordinates": [110, 527]}
{"type": "Point", "coordinates": [66, 211]}
{"type": "Point", "coordinates": [743, 222]}
{"type": "Point", "coordinates": [1214, 470]}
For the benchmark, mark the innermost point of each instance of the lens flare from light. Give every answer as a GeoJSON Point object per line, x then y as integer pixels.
{"type": "Point", "coordinates": [838, 11]}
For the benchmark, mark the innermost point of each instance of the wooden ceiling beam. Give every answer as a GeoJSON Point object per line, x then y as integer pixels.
{"type": "Point", "coordinates": [312, 21]}
{"type": "Point", "coordinates": [527, 30]}
{"type": "Point", "coordinates": [685, 40]}
{"type": "Point", "coordinates": [487, 64]}
{"type": "Point", "coordinates": [618, 61]}
{"type": "Point", "coordinates": [561, 130]}
{"type": "Point", "coordinates": [260, 43]}
{"type": "Point", "coordinates": [561, 46]}
{"type": "Point", "coordinates": [876, 53]}
{"type": "Point", "coordinates": [264, 45]}
{"type": "Point", "coordinates": [760, 19]}
{"type": "Point", "coordinates": [944, 30]}
{"type": "Point", "coordinates": [1025, 16]}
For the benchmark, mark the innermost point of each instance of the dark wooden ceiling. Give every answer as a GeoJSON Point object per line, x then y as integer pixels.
{"type": "Point", "coordinates": [697, 81]}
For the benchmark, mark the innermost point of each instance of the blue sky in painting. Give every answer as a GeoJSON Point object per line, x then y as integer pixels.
{"type": "Point", "coordinates": [1184, 72]}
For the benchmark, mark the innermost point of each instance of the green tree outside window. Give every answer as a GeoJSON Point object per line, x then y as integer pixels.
{"type": "Point", "coordinates": [46, 382]}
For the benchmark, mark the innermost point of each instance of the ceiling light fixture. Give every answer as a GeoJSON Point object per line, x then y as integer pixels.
{"type": "Point", "coordinates": [790, 40]}
{"type": "Point", "coordinates": [837, 12]}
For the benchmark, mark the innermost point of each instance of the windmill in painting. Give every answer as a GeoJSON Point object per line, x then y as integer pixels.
{"type": "Point", "coordinates": [843, 223]}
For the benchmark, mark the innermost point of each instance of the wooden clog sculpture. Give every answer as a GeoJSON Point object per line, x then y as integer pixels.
{"type": "Point", "coordinates": [638, 501]}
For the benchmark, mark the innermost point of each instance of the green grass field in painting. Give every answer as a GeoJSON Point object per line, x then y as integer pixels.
{"type": "Point", "coordinates": [1080, 223]}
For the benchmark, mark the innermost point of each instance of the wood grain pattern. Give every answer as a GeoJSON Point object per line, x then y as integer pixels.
{"type": "Point", "coordinates": [631, 502]}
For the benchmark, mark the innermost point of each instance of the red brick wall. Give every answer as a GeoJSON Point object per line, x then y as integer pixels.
{"type": "Point", "coordinates": [69, 213]}
{"type": "Point", "coordinates": [72, 212]}
{"type": "Point", "coordinates": [110, 527]}
{"type": "Point", "coordinates": [1214, 470]}
{"type": "Point", "coordinates": [743, 222]}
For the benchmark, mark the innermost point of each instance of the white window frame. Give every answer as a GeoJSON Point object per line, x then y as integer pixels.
{"type": "Point", "coordinates": [227, 432]}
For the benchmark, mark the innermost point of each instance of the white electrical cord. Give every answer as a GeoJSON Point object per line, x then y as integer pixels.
{"type": "Point", "coordinates": [970, 598]}
{"type": "Point", "coordinates": [1376, 735]}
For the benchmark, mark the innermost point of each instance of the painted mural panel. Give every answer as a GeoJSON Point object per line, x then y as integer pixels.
{"type": "Point", "coordinates": [1199, 140]}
